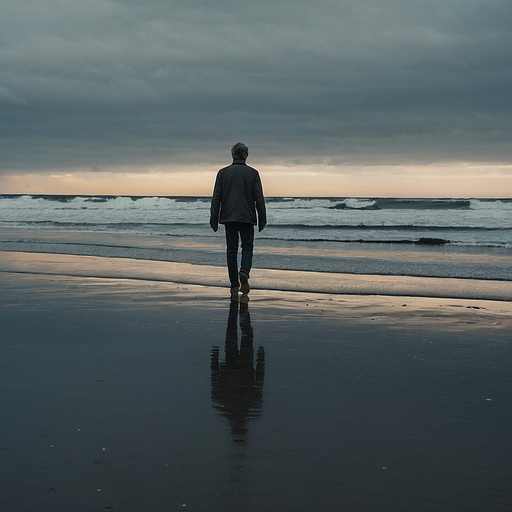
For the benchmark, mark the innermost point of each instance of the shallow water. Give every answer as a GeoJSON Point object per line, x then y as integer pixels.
{"type": "Point", "coordinates": [112, 400]}
{"type": "Point", "coordinates": [488, 263]}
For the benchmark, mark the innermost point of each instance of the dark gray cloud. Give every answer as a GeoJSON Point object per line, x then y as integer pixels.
{"type": "Point", "coordinates": [105, 83]}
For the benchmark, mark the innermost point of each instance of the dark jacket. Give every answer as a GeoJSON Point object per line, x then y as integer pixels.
{"type": "Point", "coordinates": [237, 196]}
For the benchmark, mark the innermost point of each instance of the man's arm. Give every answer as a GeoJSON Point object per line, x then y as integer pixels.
{"type": "Point", "coordinates": [259, 199]}
{"type": "Point", "coordinates": [216, 201]}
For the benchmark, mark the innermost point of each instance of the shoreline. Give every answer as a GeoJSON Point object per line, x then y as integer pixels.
{"type": "Point", "coordinates": [494, 264]}
{"type": "Point", "coordinates": [261, 279]}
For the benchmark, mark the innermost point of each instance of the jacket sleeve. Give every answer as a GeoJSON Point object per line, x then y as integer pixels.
{"type": "Point", "coordinates": [215, 206]}
{"type": "Point", "coordinates": [259, 200]}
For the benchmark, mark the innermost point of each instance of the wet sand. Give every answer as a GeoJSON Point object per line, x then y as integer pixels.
{"type": "Point", "coordinates": [125, 392]}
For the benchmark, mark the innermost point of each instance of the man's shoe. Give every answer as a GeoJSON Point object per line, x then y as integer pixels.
{"type": "Point", "coordinates": [244, 281]}
{"type": "Point", "coordinates": [244, 298]}
{"type": "Point", "coordinates": [234, 294]}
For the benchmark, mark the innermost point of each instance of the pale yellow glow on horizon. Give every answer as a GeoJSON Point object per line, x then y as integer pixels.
{"type": "Point", "coordinates": [455, 180]}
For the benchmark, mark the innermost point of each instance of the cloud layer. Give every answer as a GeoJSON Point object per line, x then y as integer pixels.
{"type": "Point", "coordinates": [107, 83]}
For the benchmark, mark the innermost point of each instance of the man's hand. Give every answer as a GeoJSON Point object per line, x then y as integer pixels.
{"type": "Point", "coordinates": [214, 225]}
{"type": "Point", "coordinates": [261, 227]}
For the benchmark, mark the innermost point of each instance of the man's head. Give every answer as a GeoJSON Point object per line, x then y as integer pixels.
{"type": "Point", "coordinates": [239, 151]}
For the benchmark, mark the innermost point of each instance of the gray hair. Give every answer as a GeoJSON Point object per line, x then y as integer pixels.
{"type": "Point", "coordinates": [240, 151]}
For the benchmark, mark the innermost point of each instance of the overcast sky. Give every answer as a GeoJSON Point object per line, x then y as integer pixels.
{"type": "Point", "coordinates": [102, 85]}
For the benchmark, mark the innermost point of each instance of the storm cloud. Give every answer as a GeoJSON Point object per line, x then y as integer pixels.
{"type": "Point", "coordinates": [108, 83]}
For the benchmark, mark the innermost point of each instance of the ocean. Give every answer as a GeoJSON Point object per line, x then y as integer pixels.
{"type": "Point", "coordinates": [464, 238]}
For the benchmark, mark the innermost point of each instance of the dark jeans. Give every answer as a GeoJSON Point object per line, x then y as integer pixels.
{"type": "Point", "coordinates": [246, 233]}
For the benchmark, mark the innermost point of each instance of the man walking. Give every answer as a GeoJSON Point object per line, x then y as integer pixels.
{"type": "Point", "coordinates": [237, 196]}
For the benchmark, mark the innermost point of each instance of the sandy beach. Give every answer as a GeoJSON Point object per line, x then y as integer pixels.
{"type": "Point", "coordinates": [131, 385]}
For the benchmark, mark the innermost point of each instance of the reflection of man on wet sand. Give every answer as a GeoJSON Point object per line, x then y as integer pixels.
{"type": "Point", "coordinates": [237, 386]}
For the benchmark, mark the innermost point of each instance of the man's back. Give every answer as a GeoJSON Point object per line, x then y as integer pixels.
{"type": "Point", "coordinates": [237, 195]}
